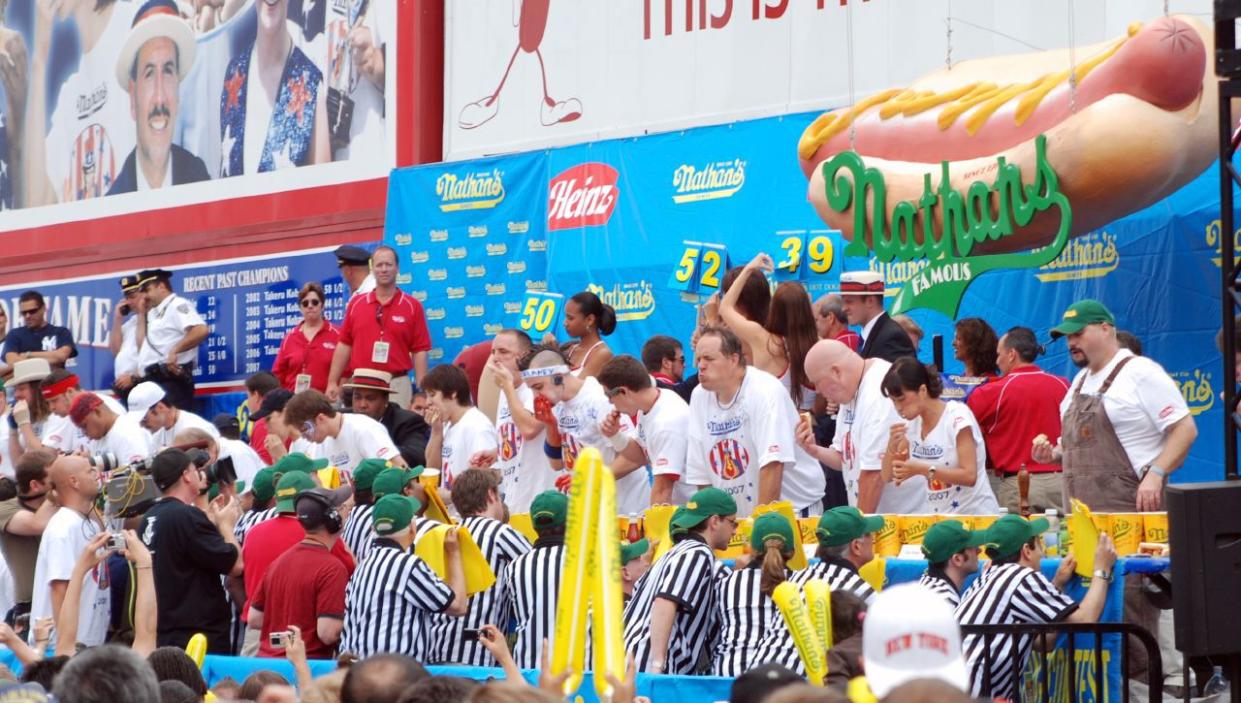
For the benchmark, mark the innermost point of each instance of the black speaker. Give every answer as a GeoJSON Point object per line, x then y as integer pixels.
{"type": "Point", "coordinates": [1204, 533]}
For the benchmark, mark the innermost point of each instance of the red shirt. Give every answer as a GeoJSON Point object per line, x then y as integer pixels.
{"type": "Point", "coordinates": [471, 360]}
{"type": "Point", "coordinates": [1014, 409]}
{"type": "Point", "coordinates": [301, 355]}
{"type": "Point", "coordinates": [404, 328]}
{"type": "Point", "coordinates": [304, 584]}
{"type": "Point", "coordinates": [266, 541]}
{"type": "Point", "coordinates": [851, 339]}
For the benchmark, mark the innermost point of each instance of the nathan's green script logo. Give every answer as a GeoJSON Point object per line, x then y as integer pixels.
{"type": "Point", "coordinates": [985, 211]}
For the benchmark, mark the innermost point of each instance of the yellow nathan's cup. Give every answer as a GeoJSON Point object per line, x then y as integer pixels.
{"type": "Point", "coordinates": [1127, 532]}
{"type": "Point", "coordinates": [982, 522]}
{"type": "Point", "coordinates": [807, 526]}
{"type": "Point", "coordinates": [1156, 527]}
{"type": "Point", "coordinates": [888, 538]}
{"type": "Point", "coordinates": [913, 527]}
{"type": "Point", "coordinates": [430, 479]}
{"type": "Point", "coordinates": [1101, 523]}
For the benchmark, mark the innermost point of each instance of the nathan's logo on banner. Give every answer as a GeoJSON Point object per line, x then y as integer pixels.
{"type": "Point", "coordinates": [1197, 390]}
{"type": "Point", "coordinates": [518, 227]}
{"type": "Point", "coordinates": [439, 235]}
{"type": "Point", "coordinates": [437, 274]}
{"type": "Point", "coordinates": [404, 278]}
{"type": "Point", "coordinates": [419, 257]}
{"type": "Point", "coordinates": [404, 240]}
{"type": "Point", "coordinates": [718, 180]}
{"type": "Point", "coordinates": [472, 191]}
{"type": "Point", "coordinates": [477, 231]}
{"type": "Point", "coordinates": [632, 301]}
{"type": "Point", "coordinates": [537, 245]}
{"type": "Point", "coordinates": [435, 354]}
{"type": "Point", "coordinates": [419, 295]}
{"type": "Point", "coordinates": [475, 271]}
{"type": "Point", "coordinates": [1092, 255]}
{"type": "Point", "coordinates": [540, 286]}
{"type": "Point", "coordinates": [454, 292]}
{"type": "Point", "coordinates": [969, 218]}
{"type": "Point", "coordinates": [512, 308]}
{"type": "Point", "coordinates": [455, 253]}
{"type": "Point", "coordinates": [496, 289]}
{"type": "Point", "coordinates": [1213, 241]}
{"type": "Point", "coordinates": [475, 310]}
{"type": "Point", "coordinates": [454, 332]}
{"type": "Point", "coordinates": [491, 329]}
{"type": "Point", "coordinates": [583, 196]}
{"type": "Point", "coordinates": [497, 249]}
{"type": "Point", "coordinates": [436, 314]}
{"type": "Point", "coordinates": [515, 267]}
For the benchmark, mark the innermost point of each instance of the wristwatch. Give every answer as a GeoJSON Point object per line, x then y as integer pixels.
{"type": "Point", "coordinates": [1151, 468]}
{"type": "Point", "coordinates": [1103, 575]}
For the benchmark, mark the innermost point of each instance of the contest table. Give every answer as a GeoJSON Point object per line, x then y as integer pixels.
{"type": "Point", "coordinates": [698, 688]}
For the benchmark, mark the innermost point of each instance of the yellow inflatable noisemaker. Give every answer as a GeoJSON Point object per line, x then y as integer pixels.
{"type": "Point", "coordinates": [819, 604]}
{"type": "Point", "coordinates": [1084, 537]}
{"type": "Point", "coordinates": [787, 597]}
{"type": "Point", "coordinates": [875, 573]}
{"type": "Point", "coordinates": [523, 524]}
{"type": "Point", "coordinates": [329, 477]}
{"type": "Point", "coordinates": [656, 521]}
{"type": "Point", "coordinates": [436, 510]}
{"type": "Point", "coordinates": [785, 508]}
{"type": "Point", "coordinates": [478, 574]}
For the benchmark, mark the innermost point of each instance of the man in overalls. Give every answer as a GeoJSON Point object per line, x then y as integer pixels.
{"type": "Point", "coordinates": [1124, 428]}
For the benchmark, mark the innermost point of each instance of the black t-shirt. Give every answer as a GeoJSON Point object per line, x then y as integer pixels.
{"type": "Point", "coordinates": [189, 557]}
{"type": "Point", "coordinates": [46, 338]}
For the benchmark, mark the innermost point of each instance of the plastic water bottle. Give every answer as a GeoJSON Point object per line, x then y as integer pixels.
{"type": "Point", "coordinates": [1217, 685]}
{"type": "Point", "coordinates": [1051, 538]}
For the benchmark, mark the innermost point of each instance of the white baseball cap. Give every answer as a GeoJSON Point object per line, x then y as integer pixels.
{"type": "Point", "coordinates": [910, 633]}
{"type": "Point", "coordinates": [143, 396]}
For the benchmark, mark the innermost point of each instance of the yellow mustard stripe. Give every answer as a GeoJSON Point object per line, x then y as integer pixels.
{"type": "Point", "coordinates": [986, 97]}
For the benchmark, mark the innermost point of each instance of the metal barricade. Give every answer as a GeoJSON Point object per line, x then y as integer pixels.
{"type": "Point", "coordinates": [1154, 669]}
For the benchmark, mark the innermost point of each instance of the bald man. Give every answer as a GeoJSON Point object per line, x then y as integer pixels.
{"type": "Point", "coordinates": [73, 526]}
{"type": "Point", "coordinates": [862, 428]}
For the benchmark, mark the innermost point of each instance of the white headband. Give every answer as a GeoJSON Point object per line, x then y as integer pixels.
{"type": "Point", "coordinates": [556, 370]}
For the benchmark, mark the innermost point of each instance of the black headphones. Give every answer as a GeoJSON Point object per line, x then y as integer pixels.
{"type": "Point", "coordinates": [330, 518]}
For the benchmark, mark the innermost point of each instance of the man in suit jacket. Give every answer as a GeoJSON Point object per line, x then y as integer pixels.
{"type": "Point", "coordinates": [882, 337]}
{"type": "Point", "coordinates": [157, 54]}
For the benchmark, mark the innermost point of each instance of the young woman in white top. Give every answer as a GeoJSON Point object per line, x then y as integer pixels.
{"type": "Point", "coordinates": [589, 319]}
{"type": "Point", "coordinates": [939, 440]}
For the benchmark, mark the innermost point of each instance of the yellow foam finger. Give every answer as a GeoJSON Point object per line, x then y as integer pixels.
{"type": "Point", "coordinates": [819, 604]}
{"type": "Point", "coordinates": [606, 600]}
{"type": "Point", "coordinates": [478, 574]}
{"type": "Point", "coordinates": [656, 521]}
{"type": "Point", "coordinates": [1084, 537]}
{"type": "Point", "coordinates": [523, 524]}
{"type": "Point", "coordinates": [787, 597]}
{"type": "Point", "coordinates": [581, 534]}
{"type": "Point", "coordinates": [874, 573]}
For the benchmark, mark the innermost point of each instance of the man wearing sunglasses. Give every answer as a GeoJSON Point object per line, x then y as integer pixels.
{"type": "Point", "coordinates": [37, 339]}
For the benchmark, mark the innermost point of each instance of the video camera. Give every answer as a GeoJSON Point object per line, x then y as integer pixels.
{"type": "Point", "coordinates": [130, 490]}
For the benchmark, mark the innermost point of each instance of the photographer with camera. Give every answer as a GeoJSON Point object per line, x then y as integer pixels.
{"type": "Point", "coordinates": [161, 416]}
{"type": "Point", "coordinates": [231, 459]}
{"type": "Point", "coordinates": [22, 522]}
{"type": "Point", "coordinates": [305, 586]}
{"type": "Point", "coordinates": [190, 550]}
{"type": "Point", "coordinates": [119, 440]}
{"type": "Point", "coordinates": [94, 556]}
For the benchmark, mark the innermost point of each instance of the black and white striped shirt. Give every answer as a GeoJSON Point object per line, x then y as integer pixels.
{"type": "Point", "coordinates": [423, 525]}
{"type": "Point", "coordinates": [1006, 594]}
{"type": "Point", "coordinates": [687, 576]}
{"type": "Point", "coordinates": [248, 520]}
{"type": "Point", "coordinates": [358, 531]}
{"type": "Point", "coordinates": [937, 581]}
{"type": "Point", "coordinates": [840, 574]}
{"type": "Point", "coordinates": [751, 630]}
{"type": "Point", "coordinates": [500, 545]}
{"type": "Point", "coordinates": [389, 601]}
{"type": "Point", "coordinates": [533, 588]}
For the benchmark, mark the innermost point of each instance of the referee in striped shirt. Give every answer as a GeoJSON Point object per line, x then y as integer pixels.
{"type": "Point", "coordinates": [259, 493]}
{"type": "Point", "coordinates": [1013, 590]}
{"type": "Point", "coordinates": [476, 493]}
{"type": "Point", "coordinates": [534, 580]}
{"type": "Point", "coordinates": [672, 614]}
{"type": "Point", "coordinates": [951, 552]}
{"type": "Point", "coordinates": [635, 559]}
{"type": "Point", "coordinates": [846, 544]}
{"type": "Point", "coordinates": [752, 631]}
{"type": "Point", "coordinates": [391, 596]}
{"type": "Point", "coordinates": [357, 534]}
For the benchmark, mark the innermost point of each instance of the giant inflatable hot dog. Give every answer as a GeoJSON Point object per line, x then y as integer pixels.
{"type": "Point", "coordinates": [1139, 123]}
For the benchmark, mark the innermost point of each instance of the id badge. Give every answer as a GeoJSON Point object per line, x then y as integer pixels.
{"type": "Point", "coordinates": [302, 383]}
{"type": "Point", "coordinates": [379, 353]}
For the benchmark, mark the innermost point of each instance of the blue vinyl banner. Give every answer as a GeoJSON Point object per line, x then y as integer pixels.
{"type": "Point", "coordinates": [249, 305]}
{"type": "Point", "coordinates": [651, 224]}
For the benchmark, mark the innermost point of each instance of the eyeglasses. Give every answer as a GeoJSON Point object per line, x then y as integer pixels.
{"type": "Point", "coordinates": [311, 302]}
{"type": "Point", "coordinates": [31, 311]}
{"type": "Point", "coordinates": [613, 392]}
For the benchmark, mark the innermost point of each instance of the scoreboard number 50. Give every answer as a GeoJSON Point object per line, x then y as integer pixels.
{"type": "Point", "coordinates": [540, 311]}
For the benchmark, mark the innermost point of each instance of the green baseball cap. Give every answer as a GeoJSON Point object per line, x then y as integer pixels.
{"type": "Point", "coordinates": [393, 513]}
{"type": "Point", "coordinates": [264, 484]}
{"type": "Point", "coordinates": [365, 472]}
{"type": "Point", "coordinates": [393, 481]}
{"type": "Point", "coordinates": [548, 510]}
{"type": "Point", "coordinates": [946, 538]}
{"type": "Point", "coordinates": [704, 504]}
{"type": "Point", "coordinates": [844, 524]}
{"type": "Point", "coordinates": [1007, 535]}
{"type": "Point", "coordinates": [771, 526]}
{"type": "Point", "coordinates": [1082, 313]}
{"type": "Point", "coordinates": [297, 461]}
{"type": "Point", "coordinates": [673, 528]}
{"type": "Point", "coordinates": [287, 489]}
{"type": "Point", "coordinates": [633, 550]}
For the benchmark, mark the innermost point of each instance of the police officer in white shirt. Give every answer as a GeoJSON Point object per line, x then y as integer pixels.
{"type": "Point", "coordinates": [741, 431]}
{"type": "Point", "coordinates": [129, 331]}
{"type": "Point", "coordinates": [862, 429]}
{"type": "Point", "coordinates": [174, 331]}
{"type": "Point", "coordinates": [344, 439]}
{"type": "Point", "coordinates": [149, 403]}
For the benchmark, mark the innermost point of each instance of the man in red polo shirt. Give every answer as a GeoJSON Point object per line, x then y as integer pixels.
{"type": "Point", "coordinates": [1014, 409]}
{"type": "Point", "coordinates": [385, 329]}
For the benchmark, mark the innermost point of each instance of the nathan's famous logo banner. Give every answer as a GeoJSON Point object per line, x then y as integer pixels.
{"type": "Point", "coordinates": [137, 96]}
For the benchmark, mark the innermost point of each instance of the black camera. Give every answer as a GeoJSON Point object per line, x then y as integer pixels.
{"type": "Point", "coordinates": [129, 490]}
{"type": "Point", "coordinates": [222, 471]}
